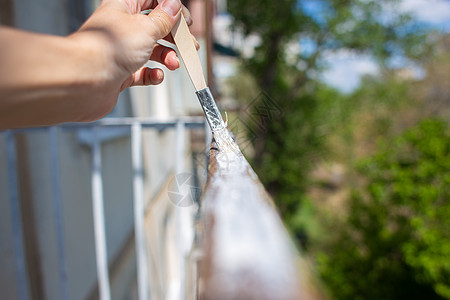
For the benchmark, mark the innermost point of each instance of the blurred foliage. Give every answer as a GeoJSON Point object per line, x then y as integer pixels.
{"type": "Point", "coordinates": [376, 225]}
{"type": "Point", "coordinates": [289, 144]}
{"type": "Point", "coordinates": [380, 230]}
{"type": "Point", "coordinates": [396, 241]}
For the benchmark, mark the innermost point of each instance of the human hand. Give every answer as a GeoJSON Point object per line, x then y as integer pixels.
{"type": "Point", "coordinates": [129, 38]}
{"type": "Point", "coordinates": [46, 79]}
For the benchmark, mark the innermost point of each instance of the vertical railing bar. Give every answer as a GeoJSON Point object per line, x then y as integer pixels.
{"type": "Point", "coordinates": [99, 220]}
{"type": "Point", "coordinates": [179, 147]}
{"type": "Point", "coordinates": [138, 195]}
{"type": "Point", "coordinates": [57, 210]}
{"type": "Point", "coordinates": [19, 248]}
{"type": "Point", "coordinates": [179, 217]}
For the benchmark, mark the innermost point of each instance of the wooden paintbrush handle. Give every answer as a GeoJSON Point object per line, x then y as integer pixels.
{"type": "Point", "coordinates": [186, 49]}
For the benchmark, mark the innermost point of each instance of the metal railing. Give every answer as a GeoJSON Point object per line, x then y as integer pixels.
{"type": "Point", "coordinates": [93, 135]}
{"type": "Point", "coordinates": [247, 252]}
{"type": "Point", "coordinates": [244, 251]}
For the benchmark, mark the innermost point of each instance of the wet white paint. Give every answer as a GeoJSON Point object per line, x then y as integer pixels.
{"type": "Point", "coordinates": [250, 253]}
{"type": "Point", "coordinates": [225, 143]}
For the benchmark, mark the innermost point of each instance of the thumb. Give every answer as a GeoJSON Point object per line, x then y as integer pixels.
{"type": "Point", "coordinates": [164, 17]}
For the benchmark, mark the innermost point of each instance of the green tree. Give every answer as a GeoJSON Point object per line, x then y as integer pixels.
{"type": "Point", "coordinates": [287, 146]}
{"type": "Point", "coordinates": [396, 240]}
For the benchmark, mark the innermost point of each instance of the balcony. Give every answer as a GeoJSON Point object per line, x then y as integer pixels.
{"type": "Point", "coordinates": [231, 244]}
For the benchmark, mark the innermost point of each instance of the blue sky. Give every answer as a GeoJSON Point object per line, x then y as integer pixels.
{"type": "Point", "coordinates": [346, 69]}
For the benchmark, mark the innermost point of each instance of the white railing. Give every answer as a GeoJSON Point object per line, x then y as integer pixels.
{"type": "Point", "coordinates": [243, 249]}
{"type": "Point", "coordinates": [93, 133]}
{"type": "Point", "coordinates": [247, 251]}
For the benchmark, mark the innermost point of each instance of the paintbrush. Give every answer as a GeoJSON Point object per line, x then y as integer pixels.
{"type": "Point", "coordinates": [188, 52]}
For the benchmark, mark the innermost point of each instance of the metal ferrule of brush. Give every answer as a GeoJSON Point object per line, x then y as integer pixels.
{"type": "Point", "coordinates": [209, 106]}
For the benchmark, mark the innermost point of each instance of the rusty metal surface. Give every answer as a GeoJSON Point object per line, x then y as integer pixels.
{"type": "Point", "coordinates": [247, 251]}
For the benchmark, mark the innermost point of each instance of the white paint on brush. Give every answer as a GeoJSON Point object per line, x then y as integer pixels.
{"type": "Point", "coordinates": [225, 142]}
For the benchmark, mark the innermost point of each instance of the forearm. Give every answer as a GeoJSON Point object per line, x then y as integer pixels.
{"type": "Point", "coordinates": [47, 79]}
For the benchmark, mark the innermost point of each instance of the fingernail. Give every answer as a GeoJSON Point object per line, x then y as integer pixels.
{"type": "Point", "coordinates": [197, 45]}
{"type": "Point", "coordinates": [171, 7]}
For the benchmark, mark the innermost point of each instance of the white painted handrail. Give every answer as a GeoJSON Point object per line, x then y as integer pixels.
{"type": "Point", "coordinates": [247, 252]}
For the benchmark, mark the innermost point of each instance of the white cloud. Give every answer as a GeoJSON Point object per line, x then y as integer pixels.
{"type": "Point", "coordinates": [436, 12]}
{"type": "Point", "coordinates": [346, 70]}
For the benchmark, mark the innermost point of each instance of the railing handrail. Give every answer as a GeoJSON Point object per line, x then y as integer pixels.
{"type": "Point", "coordinates": [148, 122]}
{"type": "Point", "coordinates": [248, 253]}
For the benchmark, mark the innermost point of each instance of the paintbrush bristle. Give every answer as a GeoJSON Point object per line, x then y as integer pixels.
{"type": "Point", "coordinates": [225, 142]}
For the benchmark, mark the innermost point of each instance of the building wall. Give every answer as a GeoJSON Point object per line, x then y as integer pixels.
{"type": "Point", "coordinates": [8, 276]}
{"type": "Point", "coordinates": [175, 97]}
